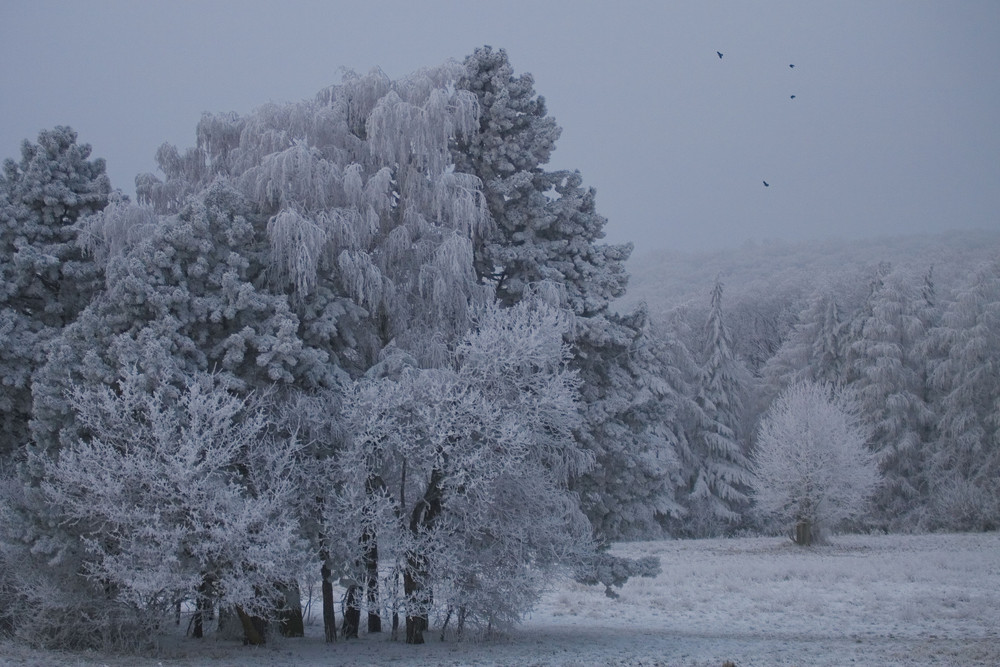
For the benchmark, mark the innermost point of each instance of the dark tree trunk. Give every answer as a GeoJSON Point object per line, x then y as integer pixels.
{"type": "Point", "coordinates": [352, 612]}
{"type": "Point", "coordinates": [290, 623]}
{"type": "Point", "coordinates": [370, 551]}
{"type": "Point", "coordinates": [254, 628]}
{"type": "Point", "coordinates": [197, 630]}
{"type": "Point", "coordinates": [418, 595]}
{"type": "Point", "coordinates": [803, 533]}
{"type": "Point", "coordinates": [329, 617]}
{"type": "Point", "coordinates": [416, 598]}
{"type": "Point", "coordinates": [203, 601]}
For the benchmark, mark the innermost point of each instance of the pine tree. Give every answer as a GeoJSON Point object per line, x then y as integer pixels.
{"type": "Point", "coordinates": [886, 372]}
{"type": "Point", "coordinates": [187, 299]}
{"type": "Point", "coordinates": [546, 227]}
{"type": "Point", "coordinates": [965, 460]}
{"type": "Point", "coordinates": [636, 403]}
{"type": "Point", "coordinates": [46, 278]}
{"type": "Point", "coordinates": [717, 476]}
{"type": "Point", "coordinates": [815, 348]}
{"type": "Point", "coordinates": [546, 234]}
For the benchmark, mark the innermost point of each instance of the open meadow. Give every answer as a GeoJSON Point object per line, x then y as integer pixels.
{"type": "Point", "coordinates": [860, 600]}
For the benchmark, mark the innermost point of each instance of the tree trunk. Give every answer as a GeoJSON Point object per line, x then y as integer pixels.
{"type": "Point", "coordinates": [254, 628]}
{"type": "Point", "coordinates": [352, 612]}
{"type": "Point", "coordinates": [329, 616]}
{"type": "Point", "coordinates": [290, 623]}
{"type": "Point", "coordinates": [203, 601]}
{"type": "Point", "coordinates": [803, 533]}
{"type": "Point", "coordinates": [418, 595]}
{"type": "Point", "coordinates": [416, 598]}
{"type": "Point", "coordinates": [370, 549]}
{"type": "Point", "coordinates": [197, 632]}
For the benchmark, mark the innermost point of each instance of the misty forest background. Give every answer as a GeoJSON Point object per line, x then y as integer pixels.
{"type": "Point", "coordinates": [369, 337]}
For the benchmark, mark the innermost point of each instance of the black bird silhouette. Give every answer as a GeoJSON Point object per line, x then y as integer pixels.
{"type": "Point", "coordinates": [766, 184]}
{"type": "Point", "coordinates": [720, 53]}
{"type": "Point", "coordinates": [793, 97]}
{"type": "Point", "coordinates": [791, 65]}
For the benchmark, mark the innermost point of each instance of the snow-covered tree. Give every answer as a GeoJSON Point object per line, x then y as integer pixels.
{"type": "Point", "coordinates": [637, 401]}
{"type": "Point", "coordinates": [547, 231]}
{"type": "Point", "coordinates": [964, 461]}
{"type": "Point", "coordinates": [546, 226]}
{"type": "Point", "coordinates": [717, 473]}
{"type": "Point", "coordinates": [186, 299]}
{"type": "Point", "coordinates": [474, 459]}
{"type": "Point", "coordinates": [814, 351]}
{"type": "Point", "coordinates": [811, 468]}
{"type": "Point", "coordinates": [885, 368]}
{"type": "Point", "coordinates": [178, 498]}
{"type": "Point", "coordinates": [46, 279]}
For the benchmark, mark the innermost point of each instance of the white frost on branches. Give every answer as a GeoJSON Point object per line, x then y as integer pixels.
{"type": "Point", "coordinates": [811, 463]}
{"type": "Point", "coordinates": [169, 494]}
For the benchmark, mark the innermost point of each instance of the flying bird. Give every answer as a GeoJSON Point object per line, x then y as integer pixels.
{"type": "Point", "coordinates": [791, 65]}
{"type": "Point", "coordinates": [720, 53]}
{"type": "Point", "coordinates": [793, 97]}
{"type": "Point", "coordinates": [766, 184]}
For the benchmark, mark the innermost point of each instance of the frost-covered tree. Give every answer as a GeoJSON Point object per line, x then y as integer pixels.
{"type": "Point", "coordinates": [885, 368]}
{"type": "Point", "coordinates": [814, 351]}
{"type": "Point", "coordinates": [186, 299]}
{"type": "Point", "coordinates": [811, 468]}
{"type": "Point", "coordinates": [637, 400]}
{"type": "Point", "coordinates": [46, 279]}
{"type": "Point", "coordinates": [964, 461]}
{"type": "Point", "coordinates": [178, 498]}
{"type": "Point", "coordinates": [546, 226]}
{"type": "Point", "coordinates": [547, 231]}
{"type": "Point", "coordinates": [369, 225]}
{"type": "Point", "coordinates": [474, 459]}
{"type": "Point", "coordinates": [184, 296]}
{"type": "Point", "coordinates": [717, 472]}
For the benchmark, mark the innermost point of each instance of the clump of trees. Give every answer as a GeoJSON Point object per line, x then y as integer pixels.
{"type": "Point", "coordinates": [347, 336]}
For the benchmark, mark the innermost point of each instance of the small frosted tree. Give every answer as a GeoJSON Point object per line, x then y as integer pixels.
{"type": "Point", "coordinates": [812, 470]}
{"type": "Point", "coordinates": [166, 497]}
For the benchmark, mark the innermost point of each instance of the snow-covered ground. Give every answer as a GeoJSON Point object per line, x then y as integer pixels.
{"type": "Point", "coordinates": [862, 600]}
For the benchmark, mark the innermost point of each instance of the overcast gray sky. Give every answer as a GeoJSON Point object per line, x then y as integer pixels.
{"type": "Point", "coordinates": [895, 127]}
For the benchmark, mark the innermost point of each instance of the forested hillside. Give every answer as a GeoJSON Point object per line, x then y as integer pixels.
{"type": "Point", "coordinates": [906, 326]}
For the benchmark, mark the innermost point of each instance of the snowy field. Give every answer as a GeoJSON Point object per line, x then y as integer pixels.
{"type": "Point", "coordinates": [862, 600]}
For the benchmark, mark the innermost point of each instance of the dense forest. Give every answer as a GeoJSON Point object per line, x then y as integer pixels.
{"type": "Point", "coordinates": [907, 325]}
{"type": "Point", "coordinates": [370, 338]}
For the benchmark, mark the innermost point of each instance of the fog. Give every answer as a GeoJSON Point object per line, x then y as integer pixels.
{"type": "Point", "coordinates": [892, 130]}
